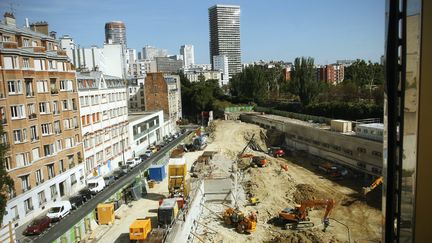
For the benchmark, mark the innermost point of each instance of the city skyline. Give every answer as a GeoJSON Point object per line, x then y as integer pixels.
{"type": "Point", "coordinates": [278, 31]}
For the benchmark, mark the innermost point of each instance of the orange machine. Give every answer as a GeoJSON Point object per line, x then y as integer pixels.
{"type": "Point", "coordinates": [242, 223]}
{"type": "Point", "coordinates": [139, 229]}
{"type": "Point", "coordinates": [105, 213]}
{"type": "Point", "coordinates": [294, 218]}
{"type": "Point", "coordinates": [376, 183]}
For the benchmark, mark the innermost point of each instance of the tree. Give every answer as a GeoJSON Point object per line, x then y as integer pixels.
{"type": "Point", "coordinates": [304, 82]}
{"type": "Point", "coordinates": [6, 183]}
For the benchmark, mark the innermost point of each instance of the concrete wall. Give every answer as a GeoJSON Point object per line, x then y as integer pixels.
{"type": "Point", "coordinates": [355, 152]}
{"type": "Point", "coordinates": [218, 189]}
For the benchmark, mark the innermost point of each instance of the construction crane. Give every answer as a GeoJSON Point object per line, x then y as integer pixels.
{"type": "Point", "coordinates": [297, 217]}
{"type": "Point", "coordinates": [376, 183]}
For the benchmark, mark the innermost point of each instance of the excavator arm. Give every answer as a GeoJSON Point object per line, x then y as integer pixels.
{"type": "Point", "coordinates": [376, 183]}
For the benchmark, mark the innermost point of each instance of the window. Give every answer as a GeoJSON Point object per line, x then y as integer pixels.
{"type": "Point", "coordinates": [3, 115]}
{"type": "Point", "coordinates": [73, 179]}
{"type": "Point", "coordinates": [361, 150]}
{"type": "Point", "coordinates": [39, 64]}
{"type": "Point", "coordinates": [55, 107]}
{"type": "Point", "coordinates": [46, 129]}
{"type": "Point", "coordinates": [376, 153]}
{"type": "Point", "coordinates": [48, 150]}
{"type": "Point", "coordinates": [42, 198]}
{"type": "Point", "coordinates": [26, 63]}
{"type": "Point", "coordinates": [7, 163]}
{"type": "Point", "coordinates": [65, 105]}
{"type": "Point", "coordinates": [44, 107]}
{"type": "Point", "coordinates": [42, 86]}
{"type": "Point", "coordinates": [69, 142]}
{"type": "Point", "coordinates": [15, 87]}
{"type": "Point", "coordinates": [10, 62]}
{"type": "Point", "coordinates": [53, 190]}
{"type": "Point", "coordinates": [20, 136]}
{"type": "Point", "coordinates": [22, 159]}
{"type": "Point", "coordinates": [35, 154]}
{"type": "Point", "coordinates": [33, 133]}
{"type": "Point", "coordinates": [26, 42]}
{"type": "Point", "coordinates": [51, 172]}
{"type": "Point", "coordinates": [28, 205]}
{"type": "Point", "coordinates": [57, 129]}
{"type": "Point", "coordinates": [39, 177]}
{"type": "Point", "coordinates": [61, 166]}
{"type": "Point", "coordinates": [31, 111]}
{"type": "Point", "coordinates": [59, 145]}
{"type": "Point", "coordinates": [66, 85]}
{"type": "Point", "coordinates": [52, 65]}
{"type": "Point", "coordinates": [25, 183]}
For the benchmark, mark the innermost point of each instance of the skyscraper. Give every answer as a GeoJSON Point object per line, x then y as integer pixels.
{"type": "Point", "coordinates": [116, 32]}
{"type": "Point", "coordinates": [224, 23]}
{"type": "Point", "coordinates": [188, 55]}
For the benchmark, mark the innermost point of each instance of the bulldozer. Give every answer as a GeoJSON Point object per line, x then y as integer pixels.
{"type": "Point", "coordinates": [236, 218]}
{"type": "Point", "coordinates": [297, 217]}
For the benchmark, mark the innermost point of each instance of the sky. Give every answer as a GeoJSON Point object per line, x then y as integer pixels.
{"type": "Point", "coordinates": [327, 30]}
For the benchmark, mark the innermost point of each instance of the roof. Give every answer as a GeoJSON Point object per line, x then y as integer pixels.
{"type": "Point", "coordinates": [24, 30]}
{"type": "Point", "coordinates": [372, 125]}
{"type": "Point", "coordinates": [224, 6]}
{"type": "Point", "coordinates": [139, 115]}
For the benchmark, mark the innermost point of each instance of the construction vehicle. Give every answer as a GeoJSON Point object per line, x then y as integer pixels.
{"type": "Point", "coordinates": [375, 184]}
{"type": "Point", "coordinates": [242, 223]}
{"type": "Point", "coordinates": [297, 217]}
{"type": "Point", "coordinates": [254, 201]}
{"type": "Point", "coordinates": [276, 151]}
{"type": "Point", "coordinates": [140, 229]}
{"type": "Point", "coordinates": [334, 171]}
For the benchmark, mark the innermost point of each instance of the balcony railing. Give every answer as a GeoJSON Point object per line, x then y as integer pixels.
{"type": "Point", "coordinates": [54, 91]}
{"type": "Point", "coordinates": [32, 116]}
{"type": "Point", "coordinates": [9, 45]}
{"type": "Point", "coordinates": [26, 189]}
{"type": "Point", "coordinates": [29, 93]}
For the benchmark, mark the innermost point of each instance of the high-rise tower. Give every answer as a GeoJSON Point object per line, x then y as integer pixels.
{"type": "Point", "coordinates": [188, 55]}
{"type": "Point", "coordinates": [224, 23]}
{"type": "Point", "coordinates": [116, 32]}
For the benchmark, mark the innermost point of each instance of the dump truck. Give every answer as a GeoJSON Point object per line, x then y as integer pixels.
{"type": "Point", "coordinates": [139, 229]}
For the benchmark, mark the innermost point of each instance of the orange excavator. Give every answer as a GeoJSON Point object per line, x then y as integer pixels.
{"type": "Point", "coordinates": [256, 161]}
{"type": "Point", "coordinates": [297, 217]}
{"type": "Point", "coordinates": [240, 221]}
{"type": "Point", "coordinates": [376, 183]}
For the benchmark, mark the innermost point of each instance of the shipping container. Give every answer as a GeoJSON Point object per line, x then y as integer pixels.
{"type": "Point", "coordinates": [341, 125]}
{"type": "Point", "coordinates": [105, 213]}
{"type": "Point", "coordinates": [157, 172]}
{"type": "Point", "coordinates": [167, 211]}
{"type": "Point", "coordinates": [139, 229]}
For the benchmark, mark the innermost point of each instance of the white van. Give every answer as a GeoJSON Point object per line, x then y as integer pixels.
{"type": "Point", "coordinates": [59, 210]}
{"type": "Point", "coordinates": [133, 162]}
{"type": "Point", "coordinates": [96, 184]}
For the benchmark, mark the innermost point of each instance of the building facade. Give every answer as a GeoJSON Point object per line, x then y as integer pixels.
{"type": "Point", "coordinates": [331, 74]}
{"type": "Point", "coordinates": [163, 92]}
{"type": "Point", "coordinates": [168, 65]}
{"type": "Point", "coordinates": [188, 55]}
{"type": "Point", "coordinates": [40, 117]}
{"type": "Point", "coordinates": [150, 52]}
{"type": "Point", "coordinates": [103, 106]}
{"type": "Point", "coordinates": [115, 33]}
{"type": "Point", "coordinates": [220, 63]}
{"type": "Point", "coordinates": [136, 96]}
{"type": "Point", "coordinates": [224, 23]}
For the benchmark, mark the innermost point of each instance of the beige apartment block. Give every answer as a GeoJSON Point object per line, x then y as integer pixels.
{"type": "Point", "coordinates": [41, 119]}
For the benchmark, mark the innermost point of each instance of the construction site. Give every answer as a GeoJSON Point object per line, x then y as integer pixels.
{"type": "Point", "coordinates": [240, 184]}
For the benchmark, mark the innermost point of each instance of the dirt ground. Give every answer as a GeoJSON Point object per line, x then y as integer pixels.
{"type": "Point", "coordinates": [277, 189]}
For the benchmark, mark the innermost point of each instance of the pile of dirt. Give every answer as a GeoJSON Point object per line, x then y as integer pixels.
{"type": "Point", "coordinates": [310, 236]}
{"type": "Point", "coordinates": [306, 192]}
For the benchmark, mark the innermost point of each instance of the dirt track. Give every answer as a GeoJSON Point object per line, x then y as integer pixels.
{"type": "Point", "coordinates": [278, 189]}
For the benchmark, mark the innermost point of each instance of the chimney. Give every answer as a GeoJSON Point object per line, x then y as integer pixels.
{"type": "Point", "coordinates": [9, 19]}
{"type": "Point", "coordinates": [53, 34]}
{"type": "Point", "coordinates": [41, 27]}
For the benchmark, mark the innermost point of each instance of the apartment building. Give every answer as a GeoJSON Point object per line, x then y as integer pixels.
{"type": "Point", "coordinates": [163, 92]}
{"type": "Point", "coordinates": [135, 90]}
{"type": "Point", "coordinates": [104, 120]}
{"type": "Point", "coordinates": [331, 74]}
{"type": "Point", "coordinates": [40, 117]}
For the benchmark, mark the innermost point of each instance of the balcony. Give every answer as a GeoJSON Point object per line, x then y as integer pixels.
{"type": "Point", "coordinates": [39, 49]}
{"type": "Point", "coordinates": [54, 91]}
{"type": "Point", "coordinates": [9, 45]}
{"type": "Point", "coordinates": [35, 139]}
{"type": "Point", "coordinates": [32, 116]}
{"type": "Point", "coordinates": [61, 53]}
{"type": "Point", "coordinates": [29, 93]}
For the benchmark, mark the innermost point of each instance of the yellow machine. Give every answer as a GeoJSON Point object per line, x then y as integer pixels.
{"type": "Point", "coordinates": [237, 219]}
{"type": "Point", "coordinates": [297, 217]}
{"type": "Point", "coordinates": [376, 183]}
{"type": "Point", "coordinates": [139, 229]}
{"type": "Point", "coordinates": [105, 213]}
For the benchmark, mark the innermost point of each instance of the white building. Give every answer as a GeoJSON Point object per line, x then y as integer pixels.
{"type": "Point", "coordinates": [135, 89]}
{"type": "Point", "coordinates": [188, 55]}
{"type": "Point", "coordinates": [195, 74]}
{"type": "Point", "coordinates": [220, 63]}
{"type": "Point", "coordinates": [174, 97]}
{"type": "Point", "coordinates": [112, 59]}
{"type": "Point", "coordinates": [104, 120]}
{"type": "Point", "coordinates": [150, 52]}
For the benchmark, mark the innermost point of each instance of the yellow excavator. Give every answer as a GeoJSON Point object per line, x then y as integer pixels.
{"type": "Point", "coordinates": [376, 183]}
{"type": "Point", "coordinates": [297, 217]}
{"type": "Point", "coordinates": [240, 221]}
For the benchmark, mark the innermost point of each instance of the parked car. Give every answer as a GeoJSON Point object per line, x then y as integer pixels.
{"type": "Point", "coordinates": [118, 173]}
{"type": "Point", "coordinates": [59, 210]}
{"type": "Point", "coordinates": [85, 193]}
{"type": "Point", "coordinates": [37, 226]}
{"type": "Point", "coordinates": [109, 179]}
{"type": "Point", "coordinates": [76, 201]}
{"type": "Point", "coordinates": [125, 168]}
{"type": "Point", "coordinates": [148, 153]}
{"type": "Point", "coordinates": [96, 184]}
